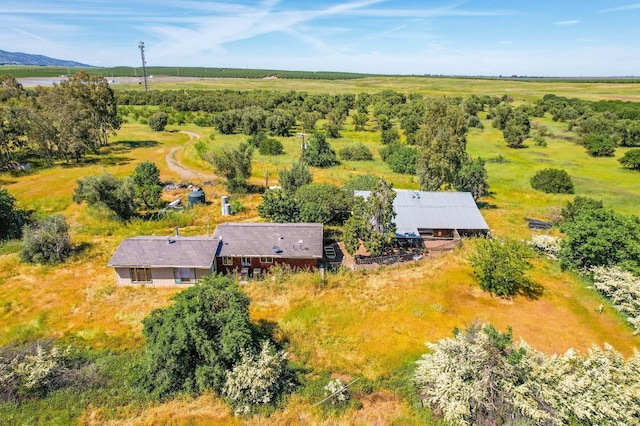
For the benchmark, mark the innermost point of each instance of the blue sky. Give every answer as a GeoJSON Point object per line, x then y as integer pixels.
{"type": "Point", "coordinates": [489, 37]}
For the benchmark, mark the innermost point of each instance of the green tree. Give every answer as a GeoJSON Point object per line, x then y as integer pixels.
{"type": "Point", "coordinates": [12, 219]}
{"type": "Point", "coordinates": [46, 241]}
{"type": "Point", "coordinates": [631, 159]}
{"type": "Point", "coordinates": [146, 178]}
{"type": "Point", "coordinates": [194, 343]}
{"type": "Point", "coordinates": [500, 268]}
{"type": "Point", "coordinates": [292, 179]}
{"type": "Point", "coordinates": [234, 165]}
{"type": "Point", "coordinates": [364, 182]}
{"type": "Point", "coordinates": [270, 146]}
{"type": "Point", "coordinates": [158, 121]}
{"type": "Point", "coordinates": [473, 178]}
{"type": "Point", "coordinates": [372, 222]}
{"type": "Point", "coordinates": [599, 145]}
{"type": "Point", "coordinates": [359, 121]}
{"type": "Point", "coordinates": [323, 203]}
{"type": "Point", "coordinates": [107, 191]}
{"type": "Point", "coordinates": [552, 181]}
{"type": "Point", "coordinates": [596, 236]}
{"type": "Point", "coordinates": [442, 143]}
{"type": "Point", "coordinates": [357, 152]}
{"type": "Point", "coordinates": [517, 129]}
{"type": "Point", "coordinates": [319, 153]}
{"type": "Point", "coordinates": [279, 206]}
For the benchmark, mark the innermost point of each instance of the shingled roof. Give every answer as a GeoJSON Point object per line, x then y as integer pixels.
{"type": "Point", "coordinates": [434, 210]}
{"type": "Point", "coordinates": [169, 252]}
{"type": "Point", "coordinates": [283, 240]}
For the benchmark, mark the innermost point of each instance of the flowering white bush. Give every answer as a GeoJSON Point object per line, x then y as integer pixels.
{"type": "Point", "coordinates": [337, 386]}
{"type": "Point", "coordinates": [32, 370]}
{"type": "Point", "coordinates": [481, 377]}
{"type": "Point", "coordinates": [622, 288]}
{"type": "Point", "coordinates": [547, 244]}
{"type": "Point", "coordinates": [257, 379]}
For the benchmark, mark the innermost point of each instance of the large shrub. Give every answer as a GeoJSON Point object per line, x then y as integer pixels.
{"type": "Point", "coordinates": [500, 267]}
{"type": "Point", "coordinates": [596, 236]}
{"type": "Point", "coordinates": [270, 146]}
{"type": "Point", "coordinates": [47, 241]}
{"type": "Point", "coordinates": [357, 152]}
{"type": "Point", "coordinates": [480, 377]}
{"type": "Point", "coordinates": [552, 181]}
{"type": "Point", "coordinates": [258, 379]}
{"type": "Point", "coordinates": [622, 288]}
{"type": "Point", "coordinates": [192, 344]}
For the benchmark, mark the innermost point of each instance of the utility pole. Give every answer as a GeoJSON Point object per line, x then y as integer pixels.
{"type": "Point", "coordinates": [144, 65]}
{"type": "Point", "coordinates": [303, 145]}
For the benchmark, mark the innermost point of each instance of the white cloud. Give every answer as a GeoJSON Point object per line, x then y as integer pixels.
{"type": "Point", "coordinates": [566, 23]}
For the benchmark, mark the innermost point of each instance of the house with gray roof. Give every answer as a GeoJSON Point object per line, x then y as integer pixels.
{"type": "Point", "coordinates": [163, 261]}
{"type": "Point", "coordinates": [426, 218]}
{"type": "Point", "coordinates": [248, 249]}
{"type": "Point", "coordinates": [253, 248]}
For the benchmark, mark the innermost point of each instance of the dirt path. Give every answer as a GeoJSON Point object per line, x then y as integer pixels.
{"type": "Point", "coordinates": [184, 172]}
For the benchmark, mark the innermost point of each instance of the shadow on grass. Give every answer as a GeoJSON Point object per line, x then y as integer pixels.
{"type": "Point", "coordinates": [81, 248]}
{"type": "Point", "coordinates": [532, 290]}
{"type": "Point", "coordinates": [124, 146]}
{"type": "Point", "coordinates": [484, 205]}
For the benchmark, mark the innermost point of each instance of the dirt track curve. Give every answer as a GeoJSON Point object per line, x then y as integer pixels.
{"type": "Point", "coordinates": [185, 172]}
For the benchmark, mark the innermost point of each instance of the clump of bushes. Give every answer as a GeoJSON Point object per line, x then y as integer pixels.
{"type": "Point", "coordinates": [41, 367]}
{"type": "Point", "coordinates": [158, 121]}
{"type": "Point", "coordinates": [631, 159]}
{"type": "Point", "coordinates": [552, 181]}
{"type": "Point", "coordinates": [622, 288]}
{"type": "Point", "coordinates": [358, 152]}
{"type": "Point", "coordinates": [480, 377]}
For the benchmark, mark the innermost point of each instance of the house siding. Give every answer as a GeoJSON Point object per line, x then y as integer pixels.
{"type": "Point", "coordinates": [296, 264]}
{"type": "Point", "coordinates": [160, 277]}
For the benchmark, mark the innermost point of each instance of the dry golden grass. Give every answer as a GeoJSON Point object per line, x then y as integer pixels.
{"type": "Point", "coordinates": [204, 410]}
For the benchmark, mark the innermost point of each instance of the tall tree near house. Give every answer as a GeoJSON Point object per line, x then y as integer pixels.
{"type": "Point", "coordinates": [473, 178]}
{"type": "Point", "coordinates": [442, 143]}
{"type": "Point", "coordinates": [372, 221]}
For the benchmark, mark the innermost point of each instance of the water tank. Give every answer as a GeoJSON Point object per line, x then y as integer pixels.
{"type": "Point", "coordinates": [224, 200]}
{"type": "Point", "coordinates": [196, 197]}
{"type": "Point", "coordinates": [226, 209]}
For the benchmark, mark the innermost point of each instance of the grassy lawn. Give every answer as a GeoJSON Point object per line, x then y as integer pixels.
{"type": "Point", "coordinates": [365, 324]}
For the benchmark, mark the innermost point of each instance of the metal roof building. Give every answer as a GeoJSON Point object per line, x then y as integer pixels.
{"type": "Point", "coordinates": [419, 210]}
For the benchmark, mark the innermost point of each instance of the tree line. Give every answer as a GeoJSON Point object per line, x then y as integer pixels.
{"type": "Point", "coordinates": [64, 122]}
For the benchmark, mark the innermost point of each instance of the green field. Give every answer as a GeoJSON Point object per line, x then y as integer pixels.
{"type": "Point", "coordinates": [370, 325]}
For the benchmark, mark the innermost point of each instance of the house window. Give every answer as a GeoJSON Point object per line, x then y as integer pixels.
{"type": "Point", "coordinates": [140, 275]}
{"type": "Point", "coordinates": [184, 275]}
{"type": "Point", "coordinates": [266, 259]}
{"type": "Point", "coordinates": [227, 260]}
{"type": "Point", "coordinates": [246, 261]}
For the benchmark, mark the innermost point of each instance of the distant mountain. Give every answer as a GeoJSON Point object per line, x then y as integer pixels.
{"type": "Point", "coordinates": [19, 58]}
